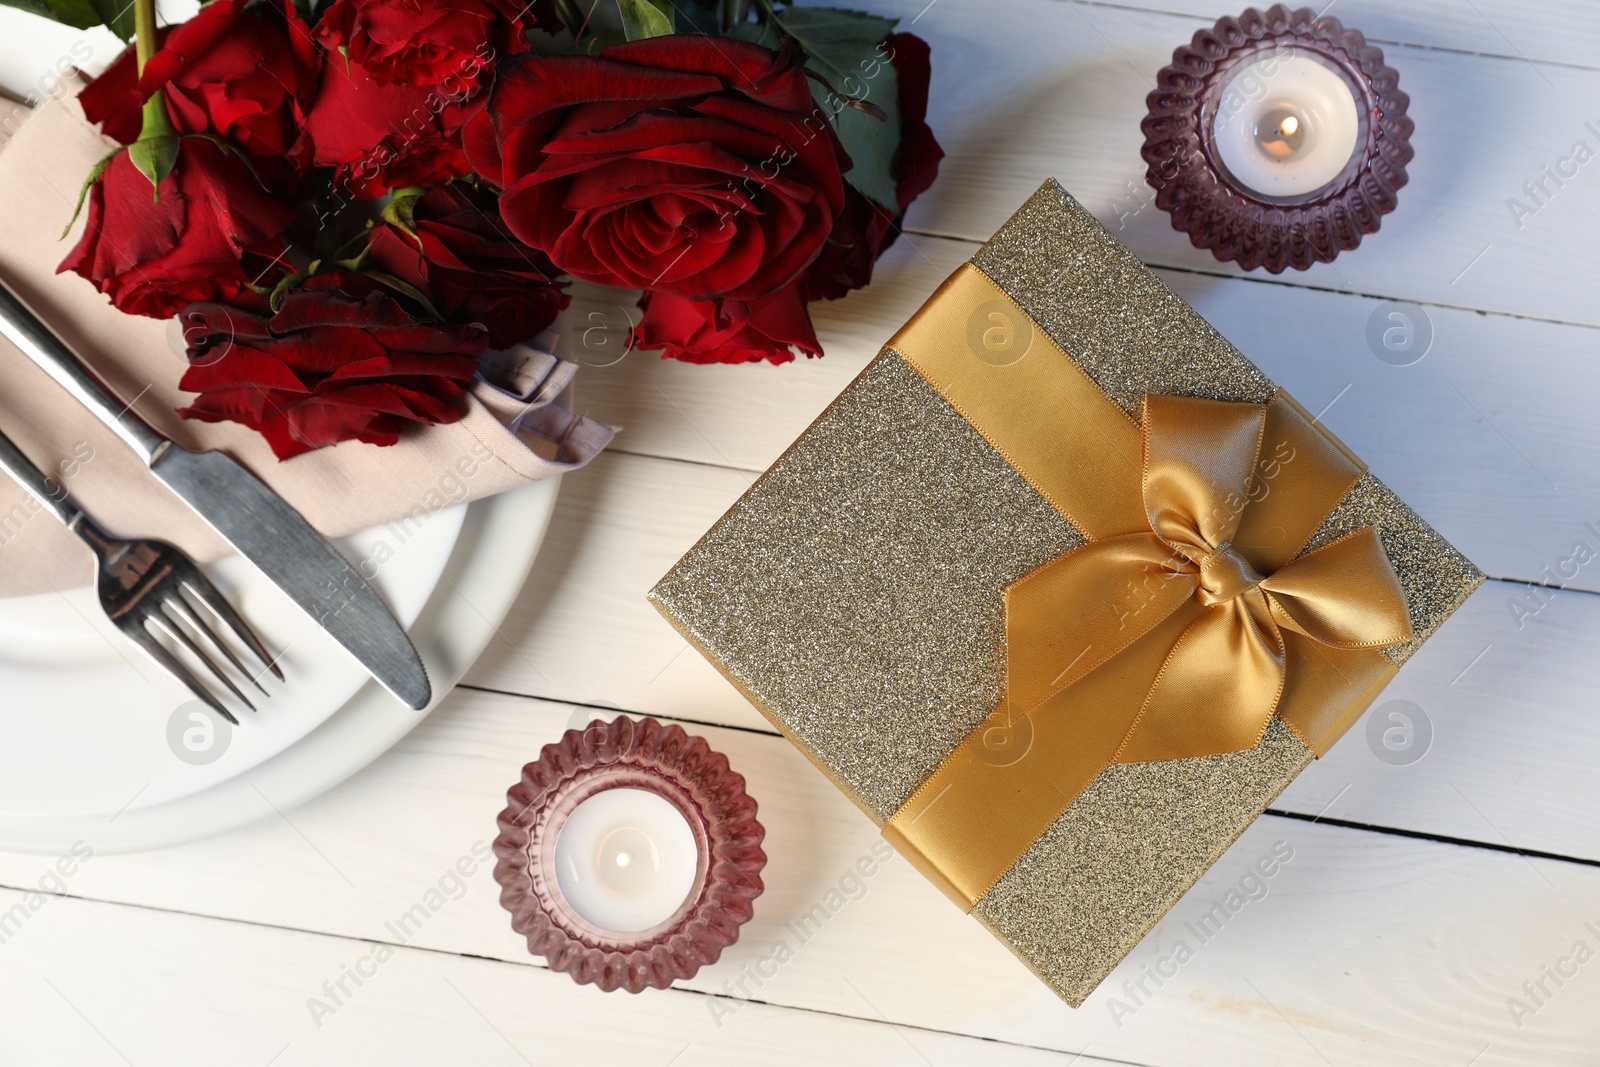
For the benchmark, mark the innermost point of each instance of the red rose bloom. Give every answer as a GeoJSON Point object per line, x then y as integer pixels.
{"type": "Point", "coordinates": [865, 229]}
{"type": "Point", "coordinates": [916, 164]}
{"type": "Point", "coordinates": [341, 359]}
{"type": "Point", "coordinates": [153, 258]}
{"type": "Point", "coordinates": [685, 164]}
{"type": "Point", "coordinates": [425, 42]}
{"type": "Point", "coordinates": [860, 235]}
{"type": "Point", "coordinates": [382, 137]}
{"type": "Point", "coordinates": [463, 257]}
{"type": "Point", "coordinates": [244, 75]}
{"type": "Point", "coordinates": [709, 331]}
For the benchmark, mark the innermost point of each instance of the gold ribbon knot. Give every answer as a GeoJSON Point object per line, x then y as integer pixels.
{"type": "Point", "coordinates": [1189, 620]}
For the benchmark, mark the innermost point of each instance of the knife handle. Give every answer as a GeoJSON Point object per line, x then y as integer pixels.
{"type": "Point", "coordinates": [22, 328]}
{"type": "Point", "coordinates": [50, 494]}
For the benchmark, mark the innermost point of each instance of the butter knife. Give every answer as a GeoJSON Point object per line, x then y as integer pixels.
{"type": "Point", "coordinates": [258, 523]}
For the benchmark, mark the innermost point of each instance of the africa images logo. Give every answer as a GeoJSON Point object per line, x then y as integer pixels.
{"type": "Point", "coordinates": [998, 333]}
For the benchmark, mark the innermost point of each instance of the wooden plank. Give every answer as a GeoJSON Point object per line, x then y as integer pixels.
{"type": "Point", "coordinates": [1036, 88]}
{"type": "Point", "coordinates": [89, 984]}
{"type": "Point", "coordinates": [1481, 453]}
{"type": "Point", "coordinates": [1476, 436]}
{"type": "Point", "coordinates": [1497, 737]}
{"type": "Point", "coordinates": [1537, 33]}
{"type": "Point", "coordinates": [1369, 948]}
{"type": "Point", "coordinates": [741, 416]}
{"type": "Point", "coordinates": [583, 632]}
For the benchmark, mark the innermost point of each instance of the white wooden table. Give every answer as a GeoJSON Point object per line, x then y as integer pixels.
{"type": "Point", "coordinates": [1407, 917]}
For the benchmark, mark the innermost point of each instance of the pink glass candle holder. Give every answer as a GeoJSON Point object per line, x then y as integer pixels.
{"type": "Point", "coordinates": [1277, 139]}
{"type": "Point", "coordinates": [629, 854]}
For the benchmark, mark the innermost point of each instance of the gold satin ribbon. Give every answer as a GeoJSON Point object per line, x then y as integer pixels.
{"type": "Point", "coordinates": [1188, 621]}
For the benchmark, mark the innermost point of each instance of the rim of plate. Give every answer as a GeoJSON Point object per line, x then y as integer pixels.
{"type": "Point", "coordinates": [499, 540]}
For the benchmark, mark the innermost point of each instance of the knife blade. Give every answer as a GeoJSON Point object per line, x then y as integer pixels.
{"type": "Point", "coordinates": [258, 523]}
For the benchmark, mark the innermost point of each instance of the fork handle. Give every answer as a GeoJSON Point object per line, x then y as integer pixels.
{"type": "Point", "coordinates": [51, 494]}
{"type": "Point", "coordinates": [22, 328]}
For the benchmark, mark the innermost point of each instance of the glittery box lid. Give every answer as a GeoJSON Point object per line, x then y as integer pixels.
{"type": "Point", "coordinates": [854, 596]}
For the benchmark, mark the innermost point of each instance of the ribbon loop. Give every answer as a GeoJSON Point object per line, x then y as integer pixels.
{"type": "Point", "coordinates": [1343, 595]}
{"type": "Point", "coordinates": [1199, 460]}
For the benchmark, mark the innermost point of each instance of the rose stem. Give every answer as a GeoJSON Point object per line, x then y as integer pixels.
{"type": "Point", "coordinates": [156, 123]}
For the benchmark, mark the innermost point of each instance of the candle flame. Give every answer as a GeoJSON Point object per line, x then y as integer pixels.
{"type": "Point", "coordinates": [623, 859]}
{"type": "Point", "coordinates": [1289, 125]}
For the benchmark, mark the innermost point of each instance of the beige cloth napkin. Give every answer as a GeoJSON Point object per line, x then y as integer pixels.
{"type": "Point", "coordinates": [513, 430]}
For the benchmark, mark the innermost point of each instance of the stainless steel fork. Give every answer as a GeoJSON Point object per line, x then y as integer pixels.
{"type": "Point", "coordinates": [142, 586]}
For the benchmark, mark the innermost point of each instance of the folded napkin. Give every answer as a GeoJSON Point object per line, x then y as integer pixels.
{"type": "Point", "coordinates": [513, 430]}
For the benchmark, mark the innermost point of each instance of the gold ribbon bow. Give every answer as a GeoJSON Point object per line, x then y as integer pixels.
{"type": "Point", "coordinates": [1219, 685]}
{"type": "Point", "coordinates": [1189, 620]}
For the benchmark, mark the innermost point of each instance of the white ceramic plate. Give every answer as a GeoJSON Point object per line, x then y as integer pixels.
{"type": "Point", "coordinates": [102, 746]}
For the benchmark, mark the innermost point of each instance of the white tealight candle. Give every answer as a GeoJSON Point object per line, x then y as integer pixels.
{"type": "Point", "coordinates": [626, 859]}
{"type": "Point", "coordinates": [1286, 125]}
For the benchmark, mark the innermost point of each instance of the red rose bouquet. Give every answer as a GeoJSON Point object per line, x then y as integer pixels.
{"type": "Point", "coordinates": [348, 202]}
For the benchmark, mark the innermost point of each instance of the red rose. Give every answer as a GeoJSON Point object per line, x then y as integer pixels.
{"type": "Point", "coordinates": [685, 164]}
{"type": "Point", "coordinates": [341, 359]}
{"type": "Point", "coordinates": [860, 234]}
{"type": "Point", "coordinates": [710, 331]}
{"type": "Point", "coordinates": [864, 229]}
{"type": "Point", "coordinates": [916, 162]}
{"type": "Point", "coordinates": [154, 257]}
{"type": "Point", "coordinates": [244, 75]}
{"type": "Point", "coordinates": [382, 137]}
{"type": "Point", "coordinates": [423, 42]}
{"type": "Point", "coordinates": [463, 257]}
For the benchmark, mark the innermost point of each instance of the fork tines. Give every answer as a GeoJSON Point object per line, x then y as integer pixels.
{"type": "Point", "coordinates": [143, 587]}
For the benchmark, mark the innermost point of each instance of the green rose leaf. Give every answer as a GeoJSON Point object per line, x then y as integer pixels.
{"type": "Point", "coordinates": [115, 15]}
{"type": "Point", "coordinates": [401, 209]}
{"type": "Point", "coordinates": [854, 84]}
{"type": "Point", "coordinates": [80, 14]}
{"type": "Point", "coordinates": [406, 288]}
{"type": "Point", "coordinates": [702, 16]}
{"type": "Point", "coordinates": [155, 157]}
{"type": "Point", "coordinates": [279, 291]}
{"type": "Point", "coordinates": [83, 191]}
{"type": "Point", "coordinates": [644, 18]}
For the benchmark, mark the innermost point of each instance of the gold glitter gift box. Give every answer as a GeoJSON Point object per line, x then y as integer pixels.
{"type": "Point", "coordinates": [862, 593]}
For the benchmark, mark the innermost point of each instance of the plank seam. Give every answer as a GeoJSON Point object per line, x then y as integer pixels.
{"type": "Point", "coordinates": [1202, 21]}
{"type": "Point", "coordinates": [1290, 283]}
{"type": "Point", "coordinates": [1347, 824]}
{"type": "Point", "coordinates": [1443, 839]}
{"type": "Point", "coordinates": [536, 962]}
{"type": "Point", "coordinates": [613, 451]}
